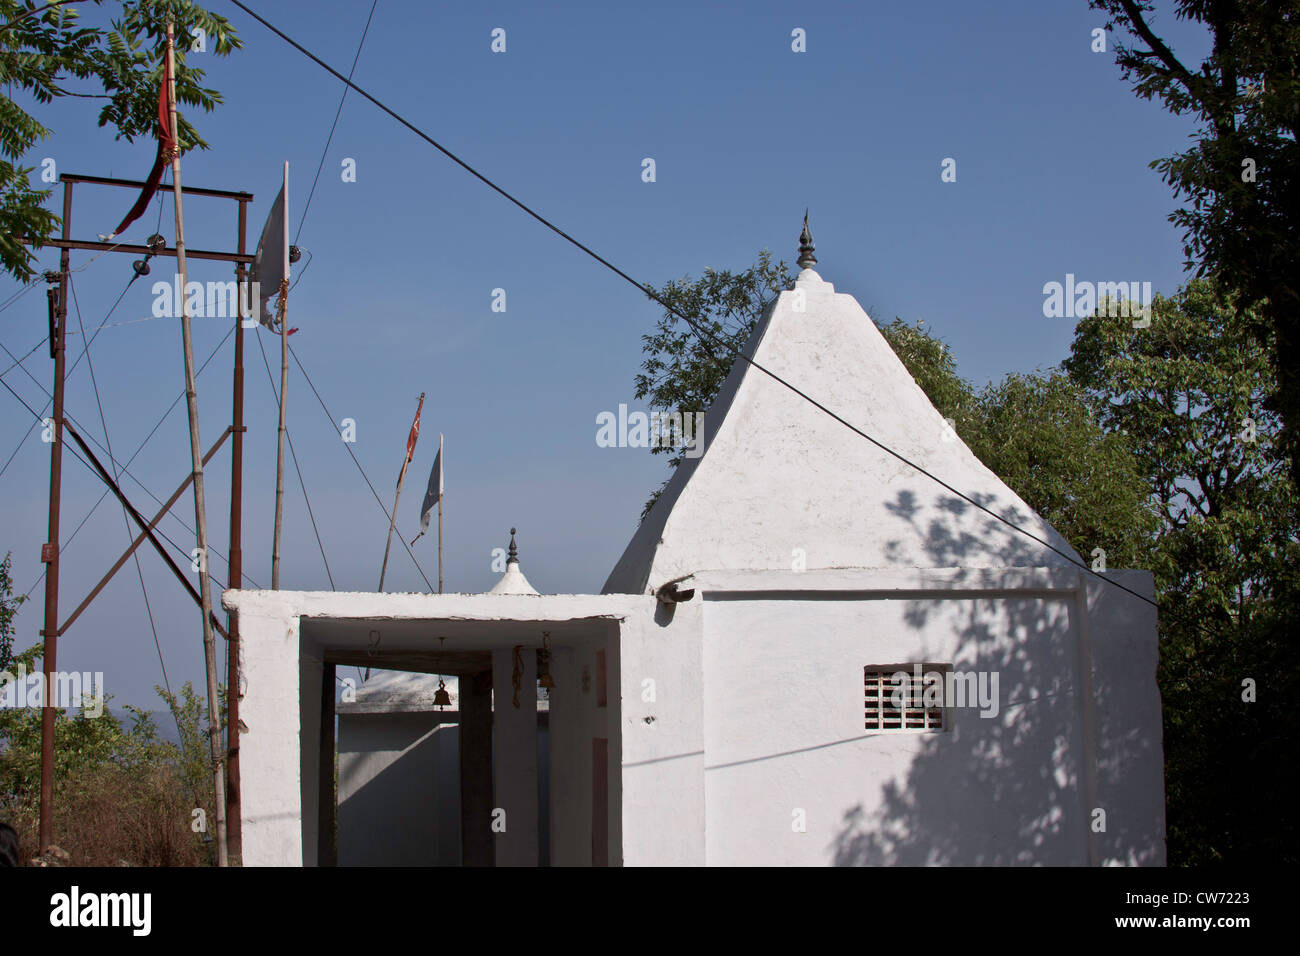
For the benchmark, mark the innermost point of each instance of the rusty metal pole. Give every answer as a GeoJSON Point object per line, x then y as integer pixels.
{"type": "Point", "coordinates": [50, 551]}
{"type": "Point", "coordinates": [234, 834]}
{"type": "Point", "coordinates": [196, 458]}
{"type": "Point", "coordinates": [281, 306]}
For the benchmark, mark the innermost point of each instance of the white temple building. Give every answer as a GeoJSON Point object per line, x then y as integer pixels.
{"type": "Point", "coordinates": [733, 697]}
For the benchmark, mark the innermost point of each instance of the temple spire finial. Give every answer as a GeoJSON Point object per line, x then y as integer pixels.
{"type": "Point", "coordinates": [806, 258]}
{"type": "Point", "coordinates": [514, 552]}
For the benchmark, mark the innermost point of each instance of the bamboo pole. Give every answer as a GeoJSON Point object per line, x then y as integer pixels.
{"type": "Point", "coordinates": [401, 477]}
{"type": "Point", "coordinates": [58, 314]}
{"type": "Point", "coordinates": [234, 822]}
{"type": "Point", "coordinates": [196, 458]}
{"type": "Point", "coordinates": [392, 521]}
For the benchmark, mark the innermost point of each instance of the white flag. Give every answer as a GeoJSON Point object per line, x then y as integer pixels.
{"type": "Point", "coordinates": [434, 493]}
{"type": "Point", "coordinates": [271, 263]}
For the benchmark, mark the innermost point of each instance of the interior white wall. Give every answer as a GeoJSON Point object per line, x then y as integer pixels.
{"type": "Point", "coordinates": [570, 792]}
{"type": "Point", "coordinates": [576, 719]}
{"type": "Point", "coordinates": [398, 790]}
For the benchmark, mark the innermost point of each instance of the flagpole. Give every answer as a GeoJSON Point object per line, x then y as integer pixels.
{"type": "Point", "coordinates": [284, 382]}
{"type": "Point", "coordinates": [439, 513]}
{"type": "Point", "coordinates": [392, 521]}
{"type": "Point", "coordinates": [196, 457]}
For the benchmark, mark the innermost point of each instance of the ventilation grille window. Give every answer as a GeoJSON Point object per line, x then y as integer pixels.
{"type": "Point", "coordinates": [899, 702]}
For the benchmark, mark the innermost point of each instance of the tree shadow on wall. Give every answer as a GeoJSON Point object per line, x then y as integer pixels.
{"type": "Point", "coordinates": [1010, 789]}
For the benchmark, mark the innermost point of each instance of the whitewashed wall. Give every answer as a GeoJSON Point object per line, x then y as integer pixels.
{"type": "Point", "coordinates": [1130, 750]}
{"type": "Point", "coordinates": [785, 743]}
{"type": "Point", "coordinates": [271, 770]}
{"type": "Point", "coordinates": [758, 724]}
{"type": "Point", "coordinates": [662, 740]}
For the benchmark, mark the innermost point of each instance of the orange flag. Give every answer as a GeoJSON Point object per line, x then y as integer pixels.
{"type": "Point", "coordinates": [166, 145]}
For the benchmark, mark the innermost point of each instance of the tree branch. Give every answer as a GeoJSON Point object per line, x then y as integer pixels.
{"type": "Point", "coordinates": [31, 13]}
{"type": "Point", "coordinates": [1160, 50]}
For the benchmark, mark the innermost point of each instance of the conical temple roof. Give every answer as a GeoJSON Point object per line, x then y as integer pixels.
{"type": "Point", "coordinates": [783, 486]}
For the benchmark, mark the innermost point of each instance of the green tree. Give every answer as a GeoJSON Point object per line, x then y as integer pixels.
{"type": "Point", "coordinates": [46, 51]}
{"type": "Point", "coordinates": [682, 374]}
{"type": "Point", "coordinates": [195, 753]}
{"type": "Point", "coordinates": [82, 742]}
{"type": "Point", "coordinates": [120, 790]}
{"type": "Point", "coordinates": [1039, 434]}
{"type": "Point", "coordinates": [1241, 177]}
{"type": "Point", "coordinates": [1192, 394]}
{"type": "Point", "coordinates": [9, 605]}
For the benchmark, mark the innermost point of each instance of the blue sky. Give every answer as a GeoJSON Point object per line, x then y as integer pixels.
{"type": "Point", "coordinates": [1052, 153]}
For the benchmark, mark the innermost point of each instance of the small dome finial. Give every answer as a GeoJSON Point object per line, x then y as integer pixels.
{"type": "Point", "coordinates": [806, 258]}
{"type": "Point", "coordinates": [513, 581]}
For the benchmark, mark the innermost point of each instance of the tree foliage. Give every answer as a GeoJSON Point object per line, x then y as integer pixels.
{"type": "Point", "coordinates": [9, 605]}
{"type": "Point", "coordinates": [1038, 433]}
{"type": "Point", "coordinates": [681, 373]}
{"type": "Point", "coordinates": [1192, 393]}
{"type": "Point", "coordinates": [1241, 177]}
{"type": "Point", "coordinates": [47, 53]}
{"type": "Point", "coordinates": [195, 754]}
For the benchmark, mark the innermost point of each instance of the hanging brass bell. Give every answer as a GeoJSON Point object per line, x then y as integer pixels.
{"type": "Point", "coordinates": [544, 679]}
{"type": "Point", "coordinates": [440, 697]}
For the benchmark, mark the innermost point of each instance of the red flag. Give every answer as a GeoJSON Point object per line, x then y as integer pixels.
{"type": "Point", "coordinates": [414, 436]}
{"type": "Point", "coordinates": [166, 145]}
